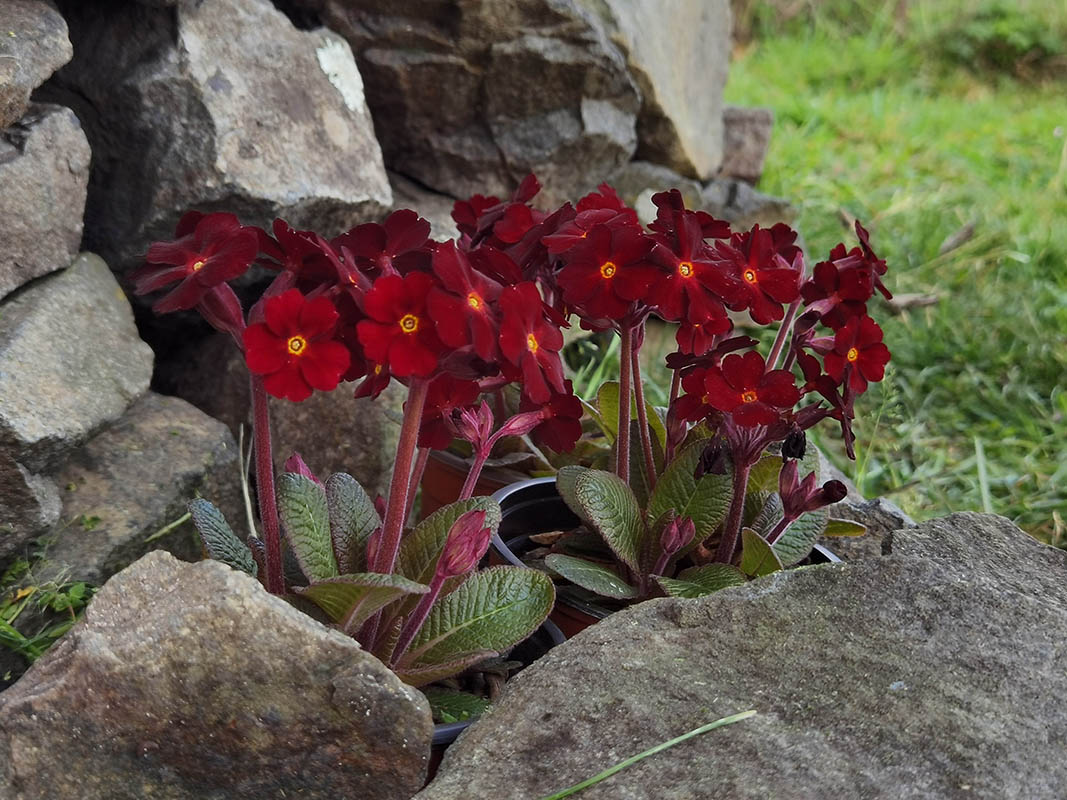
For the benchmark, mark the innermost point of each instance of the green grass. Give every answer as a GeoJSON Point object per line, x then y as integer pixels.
{"type": "Point", "coordinates": [874, 120]}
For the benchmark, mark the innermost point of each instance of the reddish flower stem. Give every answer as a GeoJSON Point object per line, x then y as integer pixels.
{"type": "Point", "coordinates": [676, 389]}
{"type": "Point", "coordinates": [783, 332]}
{"type": "Point", "coordinates": [622, 441]}
{"type": "Point", "coordinates": [417, 617]}
{"type": "Point", "coordinates": [268, 508]}
{"type": "Point", "coordinates": [396, 507]}
{"type": "Point", "coordinates": [416, 479]}
{"type": "Point", "coordinates": [480, 457]}
{"type": "Point", "coordinates": [642, 420]}
{"type": "Point", "coordinates": [779, 528]}
{"type": "Point", "coordinates": [732, 530]}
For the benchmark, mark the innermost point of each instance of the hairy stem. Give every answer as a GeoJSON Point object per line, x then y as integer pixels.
{"type": "Point", "coordinates": [732, 530]}
{"type": "Point", "coordinates": [642, 420]}
{"type": "Point", "coordinates": [622, 442]}
{"type": "Point", "coordinates": [268, 507]}
{"type": "Point", "coordinates": [396, 506]}
{"type": "Point", "coordinates": [780, 527]}
{"type": "Point", "coordinates": [416, 479]}
{"type": "Point", "coordinates": [676, 389]}
{"type": "Point", "coordinates": [480, 457]}
{"type": "Point", "coordinates": [417, 617]}
{"type": "Point", "coordinates": [783, 333]}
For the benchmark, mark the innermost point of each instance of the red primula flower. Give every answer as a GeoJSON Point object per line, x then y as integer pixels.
{"type": "Point", "coordinates": [399, 333]}
{"type": "Point", "coordinates": [444, 394]}
{"type": "Point", "coordinates": [859, 351]}
{"type": "Point", "coordinates": [670, 209]}
{"type": "Point", "coordinates": [305, 254]}
{"type": "Point", "coordinates": [610, 262]}
{"type": "Point", "coordinates": [693, 404]}
{"type": "Point", "coordinates": [294, 348]}
{"type": "Point", "coordinates": [838, 289]}
{"type": "Point", "coordinates": [742, 388]}
{"type": "Point", "coordinates": [562, 420]}
{"type": "Point", "coordinates": [209, 250]}
{"type": "Point", "coordinates": [530, 342]}
{"type": "Point", "coordinates": [762, 259]}
{"type": "Point", "coordinates": [696, 287]}
{"type": "Point", "coordinates": [696, 338]}
{"type": "Point", "coordinates": [400, 244]}
{"type": "Point", "coordinates": [462, 307]}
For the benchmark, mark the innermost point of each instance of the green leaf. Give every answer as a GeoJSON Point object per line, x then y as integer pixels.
{"type": "Point", "coordinates": [352, 599]}
{"type": "Point", "coordinates": [798, 539]}
{"type": "Point", "coordinates": [607, 403]}
{"type": "Point", "coordinates": [611, 509]}
{"type": "Point", "coordinates": [566, 479]}
{"type": "Point", "coordinates": [843, 527]}
{"type": "Point", "coordinates": [705, 501]}
{"type": "Point", "coordinates": [763, 477]}
{"type": "Point", "coordinates": [449, 705]}
{"type": "Point", "coordinates": [700, 581]}
{"type": "Point", "coordinates": [302, 509]}
{"type": "Point", "coordinates": [491, 611]}
{"type": "Point", "coordinates": [594, 577]}
{"type": "Point", "coordinates": [353, 519]}
{"type": "Point", "coordinates": [420, 548]}
{"type": "Point", "coordinates": [219, 540]}
{"type": "Point", "coordinates": [422, 674]}
{"type": "Point", "coordinates": [757, 557]}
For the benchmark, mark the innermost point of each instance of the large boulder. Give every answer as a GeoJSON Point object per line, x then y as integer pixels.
{"type": "Point", "coordinates": [33, 45]}
{"type": "Point", "coordinates": [219, 106]}
{"type": "Point", "coordinates": [746, 137]}
{"type": "Point", "coordinates": [44, 169]}
{"type": "Point", "coordinates": [333, 431]}
{"type": "Point", "coordinates": [679, 54]}
{"type": "Point", "coordinates": [190, 681]}
{"type": "Point", "coordinates": [471, 96]}
{"type": "Point", "coordinates": [124, 490]}
{"type": "Point", "coordinates": [70, 361]}
{"type": "Point", "coordinates": [924, 673]}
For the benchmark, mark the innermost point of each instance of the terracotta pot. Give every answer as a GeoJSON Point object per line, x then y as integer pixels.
{"type": "Point", "coordinates": [444, 477]}
{"type": "Point", "coordinates": [534, 506]}
{"type": "Point", "coordinates": [543, 639]}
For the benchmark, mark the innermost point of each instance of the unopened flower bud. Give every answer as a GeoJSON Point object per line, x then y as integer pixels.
{"type": "Point", "coordinates": [296, 464]}
{"type": "Point", "coordinates": [795, 445]}
{"type": "Point", "coordinates": [712, 461]}
{"type": "Point", "coordinates": [520, 424]}
{"type": "Point", "coordinates": [677, 534]}
{"type": "Point", "coordinates": [467, 542]}
{"type": "Point", "coordinates": [833, 492]}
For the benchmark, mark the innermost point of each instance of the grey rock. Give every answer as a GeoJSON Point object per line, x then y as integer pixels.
{"type": "Point", "coordinates": [671, 52]}
{"type": "Point", "coordinates": [880, 516]}
{"type": "Point", "coordinates": [190, 681]}
{"type": "Point", "coordinates": [33, 45]}
{"type": "Point", "coordinates": [637, 181]}
{"type": "Point", "coordinates": [746, 137]}
{"type": "Point", "coordinates": [218, 106]}
{"type": "Point", "coordinates": [433, 207]}
{"type": "Point", "coordinates": [44, 169]}
{"type": "Point", "coordinates": [29, 505]}
{"type": "Point", "coordinates": [70, 361]}
{"type": "Point", "coordinates": [332, 431]}
{"type": "Point", "coordinates": [926, 673]}
{"type": "Point", "coordinates": [533, 85]}
{"type": "Point", "coordinates": [128, 484]}
{"type": "Point", "coordinates": [742, 206]}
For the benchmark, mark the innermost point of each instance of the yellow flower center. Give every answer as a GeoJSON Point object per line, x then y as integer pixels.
{"type": "Point", "coordinates": [474, 301]}
{"type": "Point", "coordinates": [296, 345]}
{"type": "Point", "coordinates": [749, 275]}
{"type": "Point", "coordinates": [852, 354]}
{"type": "Point", "coordinates": [748, 397]}
{"type": "Point", "coordinates": [198, 265]}
{"type": "Point", "coordinates": [409, 323]}
{"type": "Point", "coordinates": [531, 343]}
{"type": "Point", "coordinates": [377, 369]}
{"type": "Point", "coordinates": [685, 269]}
{"type": "Point", "coordinates": [608, 269]}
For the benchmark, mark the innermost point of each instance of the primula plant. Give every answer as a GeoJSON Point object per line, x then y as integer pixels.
{"type": "Point", "coordinates": [705, 493]}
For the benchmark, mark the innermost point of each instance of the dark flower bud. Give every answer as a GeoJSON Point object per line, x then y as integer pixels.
{"type": "Point", "coordinates": [712, 461]}
{"type": "Point", "coordinates": [795, 445]}
{"type": "Point", "coordinates": [677, 534]}
{"type": "Point", "coordinates": [833, 492]}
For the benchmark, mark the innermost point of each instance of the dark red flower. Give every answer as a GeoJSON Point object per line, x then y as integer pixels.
{"type": "Point", "coordinates": [294, 348]}
{"type": "Point", "coordinates": [399, 333]}
{"type": "Point", "coordinates": [304, 254]}
{"type": "Point", "coordinates": [877, 264]}
{"type": "Point", "coordinates": [859, 353]}
{"type": "Point", "coordinates": [670, 209]}
{"type": "Point", "coordinates": [530, 342]}
{"type": "Point", "coordinates": [400, 244]}
{"type": "Point", "coordinates": [695, 286]}
{"type": "Point", "coordinates": [839, 288]}
{"type": "Point", "coordinates": [763, 262]}
{"type": "Point", "coordinates": [466, 213]}
{"type": "Point", "coordinates": [801, 496]}
{"type": "Point", "coordinates": [693, 404]}
{"type": "Point", "coordinates": [209, 250]}
{"type": "Point", "coordinates": [741, 387]}
{"type": "Point", "coordinates": [696, 338]}
{"type": "Point", "coordinates": [463, 305]}
{"type": "Point", "coordinates": [376, 380]}
{"type": "Point", "coordinates": [562, 420]}
{"type": "Point", "coordinates": [444, 395]}
{"type": "Point", "coordinates": [609, 263]}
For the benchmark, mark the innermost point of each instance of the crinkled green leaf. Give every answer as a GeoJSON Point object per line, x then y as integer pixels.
{"type": "Point", "coordinates": [353, 519]}
{"type": "Point", "coordinates": [705, 501]}
{"type": "Point", "coordinates": [639, 480]}
{"type": "Point", "coordinates": [607, 413]}
{"type": "Point", "coordinates": [302, 510]}
{"type": "Point", "coordinates": [611, 509]}
{"type": "Point", "coordinates": [757, 557]}
{"type": "Point", "coordinates": [422, 674]}
{"type": "Point", "coordinates": [594, 577]}
{"type": "Point", "coordinates": [352, 599]}
{"type": "Point", "coordinates": [700, 581]}
{"type": "Point", "coordinates": [566, 479]}
{"type": "Point", "coordinates": [843, 527]}
{"type": "Point", "coordinates": [492, 610]}
{"type": "Point", "coordinates": [450, 705]}
{"type": "Point", "coordinates": [798, 539]}
{"type": "Point", "coordinates": [420, 548]}
{"type": "Point", "coordinates": [219, 540]}
{"type": "Point", "coordinates": [763, 477]}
